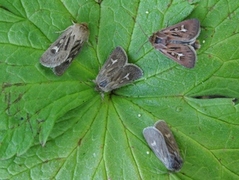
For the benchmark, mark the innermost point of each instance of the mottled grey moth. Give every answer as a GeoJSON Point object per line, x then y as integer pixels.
{"type": "Point", "coordinates": [161, 140]}
{"type": "Point", "coordinates": [116, 72]}
{"type": "Point", "coordinates": [61, 53]}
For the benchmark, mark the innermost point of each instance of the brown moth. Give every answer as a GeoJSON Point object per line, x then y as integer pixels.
{"type": "Point", "coordinates": [178, 42]}
{"type": "Point", "coordinates": [61, 53]}
{"type": "Point", "coordinates": [161, 140]}
{"type": "Point", "coordinates": [116, 72]}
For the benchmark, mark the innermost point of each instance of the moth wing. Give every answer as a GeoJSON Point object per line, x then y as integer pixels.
{"type": "Point", "coordinates": [115, 62]}
{"type": "Point", "coordinates": [157, 143]}
{"type": "Point", "coordinates": [182, 54]}
{"type": "Point", "coordinates": [59, 50]}
{"type": "Point", "coordinates": [185, 31]}
{"type": "Point", "coordinates": [176, 160]}
{"type": "Point", "coordinates": [59, 70]}
{"type": "Point", "coordinates": [168, 136]}
{"type": "Point", "coordinates": [126, 75]}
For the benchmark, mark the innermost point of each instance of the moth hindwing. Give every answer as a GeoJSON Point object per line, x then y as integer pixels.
{"type": "Point", "coordinates": [116, 72]}
{"type": "Point", "coordinates": [178, 42]}
{"type": "Point", "coordinates": [62, 52]}
{"type": "Point", "coordinates": [161, 140]}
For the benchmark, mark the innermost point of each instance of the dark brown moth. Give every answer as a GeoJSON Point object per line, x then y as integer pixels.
{"type": "Point", "coordinates": [61, 53]}
{"type": "Point", "coordinates": [178, 42]}
{"type": "Point", "coordinates": [161, 140]}
{"type": "Point", "coordinates": [117, 72]}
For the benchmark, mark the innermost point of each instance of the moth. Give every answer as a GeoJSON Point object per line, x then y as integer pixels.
{"type": "Point", "coordinates": [116, 72]}
{"type": "Point", "coordinates": [178, 42]}
{"type": "Point", "coordinates": [61, 53]}
{"type": "Point", "coordinates": [161, 140]}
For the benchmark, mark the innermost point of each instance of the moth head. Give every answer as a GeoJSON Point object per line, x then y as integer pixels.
{"type": "Point", "coordinates": [83, 28]}
{"type": "Point", "coordinates": [101, 86]}
{"type": "Point", "coordinates": [158, 38]}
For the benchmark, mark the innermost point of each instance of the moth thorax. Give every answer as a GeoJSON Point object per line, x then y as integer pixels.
{"type": "Point", "coordinates": [102, 83]}
{"type": "Point", "coordinates": [159, 40]}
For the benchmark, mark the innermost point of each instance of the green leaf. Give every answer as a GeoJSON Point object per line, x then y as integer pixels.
{"type": "Point", "coordinates": [60, 128]}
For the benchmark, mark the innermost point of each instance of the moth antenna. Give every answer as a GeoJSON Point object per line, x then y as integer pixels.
{"type": "Point", "coordinates": [145, 36]}
{"type": "Point", "coordinates": [89, 44]}
{"type": "Point", "coordinates": [61, 31]}
{"type": "Point", "coordinates": [72, 21]}
{"type": "Point", "coordinates": [87, 82]}
{"type": "Point", "coordinates": [141, 29]}
{"type": "Point", "coordinates": [141, 46]}
{"type": "Point", "coordinates": [102, 96]}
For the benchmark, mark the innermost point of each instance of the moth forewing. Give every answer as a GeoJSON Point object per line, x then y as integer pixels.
{"type": "Point", "coordinates": [168, 136]}
{"type": "Point", "coordinates": [159, 147]}
{"type": "Point", "coordinates": [61, 53]}
{"type": "Point", "coordinates": [178, 42]}
{"type": "Point", "coordinates": [117, 59]}
{"type": "Point", "coordinates": [162, 142]}
{"type": "Point", "coordinates": [185, 31]}
{"type": "Point", "coordinates": [127, 74]}
{"type": "Point", "coordinates": [130, 73]}
{"type": "Point", "coordinates": [59, 70]}
{"type": "Point", "coordinates": [184, 55]}
{"type": "Point", "coordinates": [116, 72]}
{"type": "Point", "coordinates": [176, 160]}
{"type": "Point", "coordinates": [113, 64]}
{"type": "Point", "coordinates": [157, 143]}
